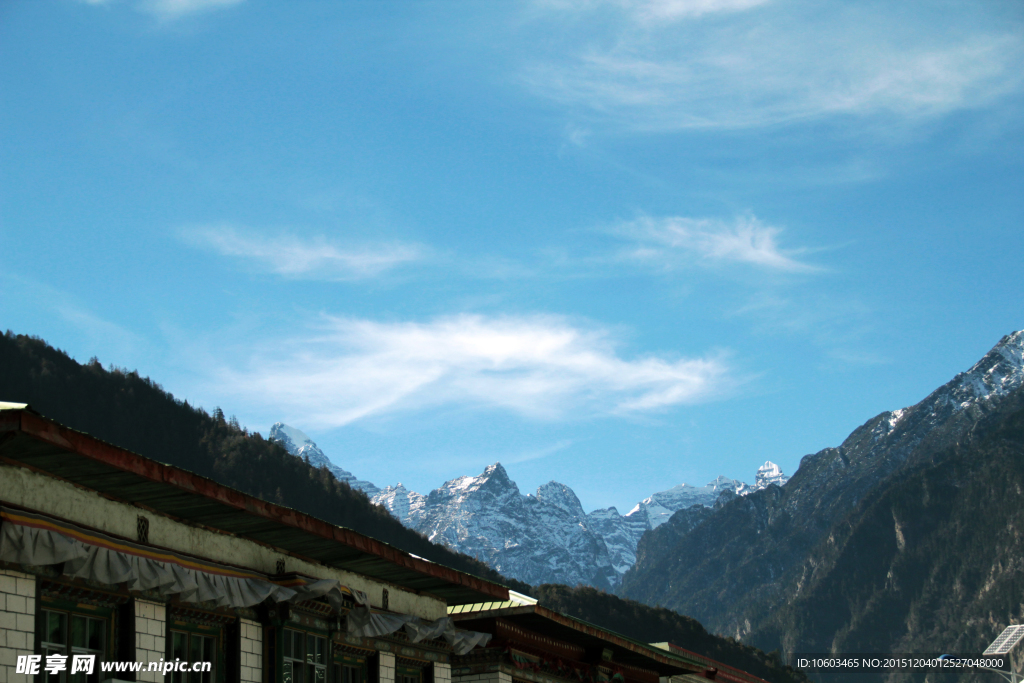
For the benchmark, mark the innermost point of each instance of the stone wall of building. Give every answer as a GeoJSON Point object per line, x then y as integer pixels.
{"type": "Point", "coordinates": [252, 651]}
{"type": "Point", "coordinates": [64, 500]}
{"type": "Point", "coordinates": [17, 622]}
{"type": "Point", "coordinates": [386, 670]}
{"type": "Point", "coordinates": [442, 672]}
{"type": "Point", "coordinates": [150, 637]}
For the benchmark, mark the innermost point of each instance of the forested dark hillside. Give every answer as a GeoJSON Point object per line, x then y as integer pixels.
{"type": "Point", "coordinates": [930, 563]}
{"type": "Point", "coordinates": [135, 413]}
{"type": "Point", "coordinates": [927, 561]}
{"type": "Point", "coordinates": [656, 624]}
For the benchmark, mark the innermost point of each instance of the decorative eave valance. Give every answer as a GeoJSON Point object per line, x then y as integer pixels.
{"type": "Point", "coordinates": [29, 538]}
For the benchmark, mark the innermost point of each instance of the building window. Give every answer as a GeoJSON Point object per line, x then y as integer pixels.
{"type": "Point", "coordinates": [304, 657]}
{"type": "Point", "coordinates": [346, 673]}
{"type": "Point", "coordinates": [193, 648]}
{"type": "Point", "coordinates": [408, 675]}
{"type": "Point", "coordinates": [66, 634]}
{"type": "Point", "coordinates": [349, 667]}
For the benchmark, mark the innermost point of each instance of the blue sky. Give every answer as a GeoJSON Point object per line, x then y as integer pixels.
{"type": "Point", "coordinates": [621, 244]}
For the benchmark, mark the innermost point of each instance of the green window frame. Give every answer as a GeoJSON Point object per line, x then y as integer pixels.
{"type": "Point", "coordinates": [304, 656]}
{"type": "Point", "coordinates": [408, 674]}
{"type": "Point", "coordinates": [349, 668]}
{"type": "Point", "coordinates": [69, 629]}
{"type": "Point", "coordinates": [194, 645]}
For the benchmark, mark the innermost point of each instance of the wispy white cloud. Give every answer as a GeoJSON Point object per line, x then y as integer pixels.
{"type": "Point", "coordinates": [658, 10]}
{"type": "Point", "coordinates": [752, 71]}
{"type": "Point", "coordinates": [539, 453]}
{"type": "Point", "coordinates": [98, 329]}
{"type": "Point", "coordinates": [840, 324]}
{"type": "Point", "coordinates": [747, 240]}
{"type": "Point", "coordinates": [299, 257]}
{"type": "Point", "coordinates": [537, 366]}
{"type": "Point", "coordinates": [174, 9]}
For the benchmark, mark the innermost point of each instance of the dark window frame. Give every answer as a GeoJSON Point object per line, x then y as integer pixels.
{"type": "Point", "coordinates": [192, 630]}
{"type": "Point", "coordinates": [288, 637]}
{"type": "Point", "coordinates": [72, 611]}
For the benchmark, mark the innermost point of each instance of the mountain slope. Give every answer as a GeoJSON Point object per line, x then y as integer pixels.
{"type": "Point", "coordinates": [297, 443]}
{"type": "Point", "coordinates": [734, 568]}
{"type": "Point", "coordinates": [932, 561]}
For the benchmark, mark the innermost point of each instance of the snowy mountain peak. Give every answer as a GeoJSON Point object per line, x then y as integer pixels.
{"type": "Point", "coordinates": [405, 505]}
{"type": "Point", "coordinates": [658, 508]}
{"type": "Point", "coordinates": [999, 372]}
{"type": "Point", "coordinates": [494, 477]}
{"type": "Point", "coordinates": [297, 443]}
{"type": "Point", "coordinates": [561, 497]}
{"type": "Point", "coordinates": [767, 474]}
{"type": "Point", "coordinates": [495, 471]}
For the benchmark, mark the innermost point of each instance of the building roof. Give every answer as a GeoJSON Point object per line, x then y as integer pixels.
{"type": "Point", "coordinates": [31, 440]}
{"type": "Point", "coordinates": [723, 671]}
{"type": "Point", "coordinates": [667, 659]}
{"type": "Point", "coordinates": [540, 619]}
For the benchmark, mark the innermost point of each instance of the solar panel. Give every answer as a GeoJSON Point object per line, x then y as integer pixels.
{"type": "Point", "coordinates": [1006, 640]}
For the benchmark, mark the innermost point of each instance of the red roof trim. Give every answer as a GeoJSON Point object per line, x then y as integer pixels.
{"type": "Point", "coordinates": [90, 447]}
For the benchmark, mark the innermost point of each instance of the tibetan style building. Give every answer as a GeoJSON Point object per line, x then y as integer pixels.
{"type": "Point", "coordinates": [109, 556]}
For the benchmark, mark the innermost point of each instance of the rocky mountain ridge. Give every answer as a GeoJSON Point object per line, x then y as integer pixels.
{"type": "Point", "coordinates": [757, 556]}
{"type": "Point", "coordinates": [544, 537]}
{"type": "Point", "coordinates": [297, 443]}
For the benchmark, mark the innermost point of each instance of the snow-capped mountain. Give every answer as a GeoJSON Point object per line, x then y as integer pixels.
{"type": "Point", "coordinates": [546, 537]}
{"type": "Point", "coordinates": [657, 509]}
{"type": "Point", "coordinates": [406, 505]}
{"type": "Point", "coordinates": [540, 538]}
{"type": "Point", "coordinates": [767, 474]}
{"type": "Point", "coordinates": [297, 443]}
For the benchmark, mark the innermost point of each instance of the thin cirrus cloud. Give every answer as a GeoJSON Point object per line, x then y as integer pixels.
{"type": "Point", "coordinates": [292, 256]}
{"type": "Point", "coordinates": [744, 240]}
{"type": "Point", "coordinates": [761, 64]}
{"type": "Point", "coordinates": [540, 367]}
{"type": "Point", "coordinates": [174, 9]}
{"type": "Point", "coordinates": [658, 10]}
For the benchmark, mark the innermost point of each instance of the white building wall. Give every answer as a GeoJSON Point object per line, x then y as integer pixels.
{"type": "Point", "coordinates": [252, 651]}
{"type": "Point", "coordinates": [62, 499]}
{"type": "Point", "coordinates": [17, 622]}
{"type": "Point", "coordinates": [150, 637]}
{"type": "Point", "coordinates": [386, 672]}
{"type": "Point", "coordinates": [442, 672]}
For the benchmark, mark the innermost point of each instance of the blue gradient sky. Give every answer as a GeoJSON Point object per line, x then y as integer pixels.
{"type": "Point", "coordinates": [621, 244]}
